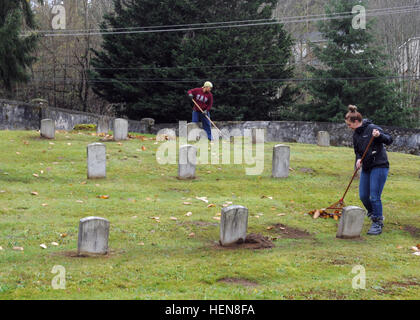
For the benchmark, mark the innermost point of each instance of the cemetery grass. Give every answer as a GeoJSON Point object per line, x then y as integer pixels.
{"type": "Point", "coordinates": [180, 259]}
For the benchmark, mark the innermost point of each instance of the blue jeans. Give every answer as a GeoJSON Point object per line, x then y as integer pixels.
{"type": "Point", "coordinates": [370, 189]}
{"type": "Point", "coordinates": [197, 116]}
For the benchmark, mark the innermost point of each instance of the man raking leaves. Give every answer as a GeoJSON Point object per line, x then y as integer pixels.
{"type": "Point", "coordinates": [203, 101]}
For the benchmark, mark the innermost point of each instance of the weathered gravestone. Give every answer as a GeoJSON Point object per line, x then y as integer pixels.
{"type": "Point", "coordinates": [147, 124]}
{"type": "Point", "coordinates": [233, 225]}
{"type": "Point", "coordinates": [103, 125]}
{"type": "Point", "coordinates": [120, 129]}
{"type": "Point", "coordinates": [281, 161]}
{"type": "Point", "coordinates": [323, 139]}
{"type": "Point", "coordinates": [351, 223]}
{"type": "Point", "coordinates": [195, 132]}
{"type": "Point", "coordinates": [93, 236]}
{"type": "Point", "coordinates": [187, 162]}
{"type": "Point", "coordinates": [48, 129]}
{"type": "Point", "coordinates": [258, 135]}
{"type": "Point", "coordinates": [166, 134]}
{"type": "Point", "coordinates": [96, 161]}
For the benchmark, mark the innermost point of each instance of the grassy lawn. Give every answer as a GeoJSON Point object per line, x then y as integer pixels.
{"type": "Point", "coordinates": [162, 260]}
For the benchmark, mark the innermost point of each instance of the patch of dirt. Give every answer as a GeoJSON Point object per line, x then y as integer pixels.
{"type": "Point", "coordinates": [392, 286]}
{"type": "Point", "coordinates": [307, 170]}
{"type": "Point", "coordinates": [253, 241]}
{"type": "Point", "coordinates": [242, 282]}
{"type": "Point", "coordinates": [290, 233]}
{"type": "Point", "coordinates": [414, 231]}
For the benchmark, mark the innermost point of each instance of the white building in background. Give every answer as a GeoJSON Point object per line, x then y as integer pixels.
{"type": "Point", "coordinates": [410, 58]}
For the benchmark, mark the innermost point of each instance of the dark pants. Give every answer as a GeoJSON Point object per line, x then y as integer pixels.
{"type": "Point", "coordinates": [370, 189]}
{"type": "Point", "coordinates": [197, 116]}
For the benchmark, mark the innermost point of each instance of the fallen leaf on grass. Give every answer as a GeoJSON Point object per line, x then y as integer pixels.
{"type": "Point", "coordinates": [188, 214]}
{"type": "Point", "coordinates": [1, 248]}
{"type": "Point", "coordinates": [17, 153]}
{"type": "Point", "coordinates": [63, 235]}
{"type": "Point", "coordinates": [399, 247]}
{"type": "Point", "coordinates": [217, 218]}
{"type": "Point", "coordinates": [174, 218]}
{"type": "Point", "coordinates": [18, 248]}
{"type": "Point", "coordinates": [202, 199]}
{"type": "Point", "coordinates": [141, 243]}
{"type": "Point", "coordinates": [44, 204]}
{"type": "Point", "coordinates": [43, 246]}
{"type": "Point", "coordinates": [187, 203]}
{"type": "Point", "coordinates": [143, 148]}
{"type": "Point", "coordinates": [212, 205]}
{"type": "Point", "coordinates": [281, 214]}
{"type": "Point", "coordinates": [270, 228]}
{"type": "Point", "coordinates": [79, 201]}
{"type": "Point", "coordinates": [317, 214]}
{"type": "Point", "coordinates": [34, 193]}
{"type": "Point", "coordinates": [103, 197]}
{"type": "Point", "coordinates": [54, 244]}
{"type": "Point", "coordinates": [36, 175]}
{"type": "Point", "coordinates": [266, 197]}
{"type": "Point", "coordinates": [192, 234]}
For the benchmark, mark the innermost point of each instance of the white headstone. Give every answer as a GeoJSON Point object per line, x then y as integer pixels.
{"type": "Point", "coordinates": [351, 222]}
{"type": "Point", "coordinates": [281, 161]}
{"type": "Point", "coordinates": [48, 129]}
{"type": "Point", "coordinates": [96, 161]}
{"type": "Point", "coordinates": [259, 135]}
{"type": "Point", "coordinates": [323, 139]}
{"type": "Point", "coordinates": [93, 236]}
{"type": "Point", "coordinates": [195, 132]}
{"type": "Point", "coordinates": [120, 129]}
{"type": "Point", "coordinates": [233, 225]}
{"type": "Point", "coordinates": [166, 134]}
{"type": "Point", "coordinates": [187, 162]}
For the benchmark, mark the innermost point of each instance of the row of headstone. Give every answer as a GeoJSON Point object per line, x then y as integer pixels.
{"type": "Point", "coordinates": [93, 235]}
{"type": "Point", "coordinates": [188, 159]}
{"type": "Point", "coordinates": [120, 128]}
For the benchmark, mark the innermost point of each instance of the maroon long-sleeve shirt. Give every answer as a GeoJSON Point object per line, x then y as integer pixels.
{"type": "Point", "coordinates": [204, 100]}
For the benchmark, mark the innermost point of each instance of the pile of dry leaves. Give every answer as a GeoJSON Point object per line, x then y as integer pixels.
{"type": "Point", "coordinates": [336, 215]}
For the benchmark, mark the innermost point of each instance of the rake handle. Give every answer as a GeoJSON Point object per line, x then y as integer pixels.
{"type": "Point", "coordinates": [207, 117]}
{"type": "Point", "coordinates": [357, 169]}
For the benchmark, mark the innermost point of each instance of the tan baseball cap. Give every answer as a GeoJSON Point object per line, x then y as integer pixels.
{"type": "Point", "coordinates": [208, 84]}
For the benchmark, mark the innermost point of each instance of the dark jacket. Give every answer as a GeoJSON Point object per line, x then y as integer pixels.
{"type": "Point", "coordinates": [376, 157]}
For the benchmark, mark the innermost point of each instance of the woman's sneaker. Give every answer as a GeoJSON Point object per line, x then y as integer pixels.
{"type": "Point", "coordinates": [376, 227]}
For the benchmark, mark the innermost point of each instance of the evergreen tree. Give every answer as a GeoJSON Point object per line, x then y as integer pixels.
{"type": "Point", "coordinates": [15, 51]}
{"type": "Point", "coordinates": [350, 53]}
{"type": "Point", "coordinates": [170, 63]}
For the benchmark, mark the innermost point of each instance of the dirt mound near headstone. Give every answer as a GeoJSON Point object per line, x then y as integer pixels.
{"type": "Point", "coordinates": [253, 241]}
{"type": "Point", "coordinates": [414, 231]}
{"type": "Point", "coordinates": [290, 233]}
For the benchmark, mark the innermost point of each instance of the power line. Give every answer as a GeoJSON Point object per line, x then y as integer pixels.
{"type": "Point", "coordinates": [204, 67]}
{"type": "Point", "coordinates": [378, 12]}
{"type": "Point", "coordinates": [105, 80]}
{"type": "Point", "coordinates": [230, 22]}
